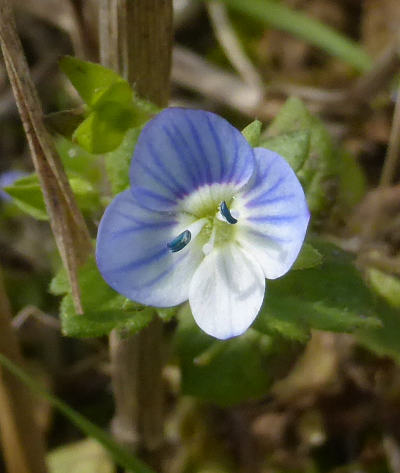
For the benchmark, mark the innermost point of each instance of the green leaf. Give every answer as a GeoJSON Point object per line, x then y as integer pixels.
{"type": "Point", "coordinates": [118, 453]}
{"type": "Point", "coordinates": [384, 341]}
{"type": "Point", "coordinates": [386, 285]}
{"type": "Point", "coordinates": [280, 16]}
{"type": "Point", "coordinates": [104, 309]}
{"type": "Point", "coordinates": [28, 196]}
{"type": "Point", "coordinates": [332, 296]}
{"type": "Point", "coordinates": [252, 133]}
{"type": "Point", "coordinates": [319, 172]}
{"type": "Point", "coordinates": [91, 80]}
{"type": "Point", "coordinates": [118, 161]}
{"type": "Point", "coordinates": [77, 161]}
{"type": "Point", "coordinates": [232, 371]}
{"type": "Point", "coordinates": [294, 147]}
{"type": "Point", "coordinates": [352, 183]}
{"type": "Point", "coordinates": [113, 106]}
{"type": "Point", "coordinates": [59, 285]}
{"type": "Point", "coordinates": [167, 313]}
{"type": "Point", "coordinates": [100, 133]}
{"type": "Point", "coordinates": [87, 197]}
{"type": "Point", "coordinates": [309, 257]}
{"type": "Point", "coordinates": [96, 323]}
{"type": "Point", "coordinates": [85, 456]}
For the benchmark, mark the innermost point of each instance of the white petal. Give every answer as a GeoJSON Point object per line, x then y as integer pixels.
{"type": "Point", "coordinates": [226, 292]}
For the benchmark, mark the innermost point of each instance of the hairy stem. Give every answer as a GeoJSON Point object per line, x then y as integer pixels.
{"type": "Point", "coordinates": [141, 39]}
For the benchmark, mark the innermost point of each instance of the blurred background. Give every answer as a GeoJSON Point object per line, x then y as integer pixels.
{"type": "Point", "coordinates": [334, 404]}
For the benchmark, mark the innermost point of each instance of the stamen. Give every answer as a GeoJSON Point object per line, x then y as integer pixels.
{"type": "Point", "coordinates": [225, 212]}
{"type": "Point", "coordinates": [180, 241]}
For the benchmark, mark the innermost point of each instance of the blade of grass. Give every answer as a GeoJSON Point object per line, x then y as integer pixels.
{"type": "Point", "coordinates": [119, 454]}
{"type": "Point", "coordinates": [277, 15]}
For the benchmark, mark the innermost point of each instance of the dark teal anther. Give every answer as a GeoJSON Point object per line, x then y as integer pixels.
{"type": "Point", "coordinates": [225, 212]}
{"type": "Point", "coordinates": [180, 241]}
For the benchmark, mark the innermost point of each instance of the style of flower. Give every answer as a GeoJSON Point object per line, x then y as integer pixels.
{"type": "Point", "coordinates": [207, 219]}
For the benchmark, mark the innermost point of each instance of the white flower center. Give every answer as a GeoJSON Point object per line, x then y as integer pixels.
{"type": "Point", "coordinates": [207, 218]}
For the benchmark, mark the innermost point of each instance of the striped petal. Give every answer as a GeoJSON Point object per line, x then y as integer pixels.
{"type": "Point", "coordinates": [274, 215]}
{"type": "Point", "coordinates": [182, 150]}
{"type": "Point", "coordinates": [133, 257]}
{"type": "Point", "coordinates": [226, 292]}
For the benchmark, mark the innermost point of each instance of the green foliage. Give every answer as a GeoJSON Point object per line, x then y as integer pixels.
{"type": "Point", "coordinates": [118, 161]}
{"type": "Point", "coordinates": [118, 453]}
{"type": "Point", "coordinates": [28, 196]}
{"type": "Point", "coordinates": [87, 197]}
{"type": "Point", "coordinates": [86, 456]}
{"type": "Point", "coordinates": [77, 161]}
{"type": "Point", "coordinates": [332, 296]}
{"type": "Point", "coordinates": [294, 147]}
{"type": "Point", "coordinates": [113, 108]}
{"type": "Point", "coordinates": [384, 341]}
{"type": "Point", "coordinates": [386, 285]}
{"type": "Point", "coordinates": [92, 81]}
{"type": "Point", "coordinates": [318, 174]}
{"type": "Point", "coordinates": [352, 183]}
{"type": "Point", "coordinates": [104, 309]}
{"type": "Point", "coordinates": [278, 15]}
{"type": "Point", "coordinates": [309, 257]}
{"type": "Point", "coordinates": [252, 133]}
{"type": "Point", "coordinates": [232, 371]}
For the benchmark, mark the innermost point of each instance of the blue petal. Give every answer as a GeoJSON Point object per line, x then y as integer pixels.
{"type": "Point", "coordinates": [133, 257]}
{"type": "Point", "coordinates": [275, 216]}
{"type": "Point", "coordinates": [181, 150]}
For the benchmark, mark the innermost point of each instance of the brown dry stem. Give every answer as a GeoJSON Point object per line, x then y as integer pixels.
{"type": "Point", "coordinates": [66, 220]}
{"type": "Point", "coordinates": [22, 441]}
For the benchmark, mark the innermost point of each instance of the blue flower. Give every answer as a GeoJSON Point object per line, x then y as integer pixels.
{"type": "Point", "coordinates": [7, 179]}
{"type": "Point", "coordinates": [207, 219]}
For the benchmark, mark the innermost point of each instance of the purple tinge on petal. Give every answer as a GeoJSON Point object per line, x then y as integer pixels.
{"type": "Point", "coordinates": [181, 150]}
{"type": "Point", "coordinates": [133, 257]}
{"type": "Point", "coordinates": [275, 214]}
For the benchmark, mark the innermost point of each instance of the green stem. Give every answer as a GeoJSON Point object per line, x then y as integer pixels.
{"type": "Point", "coordinates": [280, 16]}
{"type": "Point", "coordinates": [119, 454]}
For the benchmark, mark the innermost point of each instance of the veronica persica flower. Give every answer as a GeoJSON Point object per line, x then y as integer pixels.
{"type": "Point", "coordinates": [207, 218]}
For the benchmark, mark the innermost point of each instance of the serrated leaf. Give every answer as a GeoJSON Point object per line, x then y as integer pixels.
{"type": "Point", "coordinates": [89, 79]}
{"type": "Point", "coordinates": [100, 133]}
{"type": "Point", "coordinates": [309, 257]}
{"type": "Point", "coordinates": [294, 147]}
{"type": "Point", "coordinates": [319, 172]}
{"type": "Point", "coordinates": [332, 296]}
{"type": "Point", "coordinates": [118, 161]}
{"type": "Point", "coordinates": [96, 323]}
{"type": "Point", "coordinates": [28, 196]}
{"type": "Point", "coordinates": [252, 133]}
{"type": "Point", "coordinates": [232, 371]}
{"type": "Point", "coordinates": [104, 309]}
